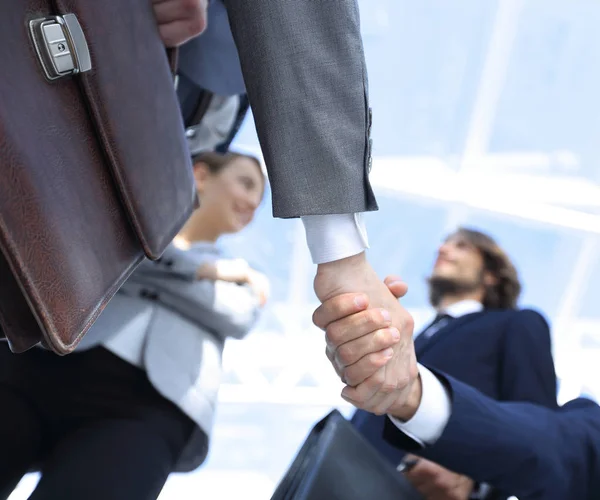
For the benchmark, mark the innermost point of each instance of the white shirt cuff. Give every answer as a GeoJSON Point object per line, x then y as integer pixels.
{"type": "Point", "coordinates": [433, 413]}
{"type": "Point", "coordinates": [336, 236]}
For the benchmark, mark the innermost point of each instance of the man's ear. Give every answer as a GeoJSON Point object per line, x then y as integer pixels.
{"type": "Point", "coordinates": [489, 279]}
{"type": "Point", "coordinates": [201, 173]}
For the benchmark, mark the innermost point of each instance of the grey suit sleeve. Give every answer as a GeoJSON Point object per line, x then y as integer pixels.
{"type": "Point", "coordinates": [226, 309]}
{"type": "Point", "coordinates": [306, 79]}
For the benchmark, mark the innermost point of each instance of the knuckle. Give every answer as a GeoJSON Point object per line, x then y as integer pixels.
{"type": "Point", "coordinates": [347, 377]}
{"type": "Point", "coordinates": [378, 379]}
{"type": "Point", "coordinates": [376, 319]}
{"type": "Point", "coordinates": [190, 6]}
{"type": "Point", "coordinates": [377, 411]}
{"type": "Point", "coordinates": [197, 24]}
{"type": "Point", "coordinates": [345, 354]}
{"type": "Point", "coordinates": [316, 318]}
{"type": "Point", "coordinates": [402, 381]}
{"type": "Point", "coordinates": [387, 387]}
{"type": "Point", "coordinates": [370, 317]}
{"type": "Point", "coordinates": [382, 339]}
{"type": "Point", "coordinates": [335, 335]}
{"type": "Point", "coordinates": [409, 323]}
{"type": "Point", "coordinates": [377, 360]}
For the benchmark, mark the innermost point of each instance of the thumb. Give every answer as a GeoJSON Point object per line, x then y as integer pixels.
{"type": "Point", "coordinates": [396, 286]}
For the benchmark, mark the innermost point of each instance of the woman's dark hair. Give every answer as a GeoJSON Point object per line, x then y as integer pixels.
{"type": "Point", "coordinates": [216, 162]}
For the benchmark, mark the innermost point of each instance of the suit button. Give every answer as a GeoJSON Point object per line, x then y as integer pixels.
{"type": "Point", "coordinates": [169, 263]}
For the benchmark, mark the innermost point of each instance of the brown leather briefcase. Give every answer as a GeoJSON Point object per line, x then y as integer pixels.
{"type": "Point", "coordinates": [94, 168]}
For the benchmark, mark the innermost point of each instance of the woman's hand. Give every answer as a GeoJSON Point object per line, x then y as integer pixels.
{"type": "Point", "coordinates": [236, 271]}
{"type": "Point", "coordinates": [261, 286]}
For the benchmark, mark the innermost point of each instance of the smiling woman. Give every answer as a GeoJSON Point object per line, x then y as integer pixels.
{"type": "Point", "coordinates": [231, 187]}
{"type": "Point", "coordinates": [137, 398]}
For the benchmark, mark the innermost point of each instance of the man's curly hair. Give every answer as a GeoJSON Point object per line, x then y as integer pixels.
{"type": "Point", "coordinates": [505, 293]}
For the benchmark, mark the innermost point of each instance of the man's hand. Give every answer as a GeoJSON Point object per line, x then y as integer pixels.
{"type": "Point", "coordinates": [388, 377]}
{"type": "Point", "coordinates": [435, 482]}
{"type": "Point", "coordinates": [179, 20]}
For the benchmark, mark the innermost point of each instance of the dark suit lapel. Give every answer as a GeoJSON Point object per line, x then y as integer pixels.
{"type": "Point", "coordinates": [423, 344]}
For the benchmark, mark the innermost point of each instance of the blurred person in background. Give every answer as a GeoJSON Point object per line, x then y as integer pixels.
{"type": "Point", "coordinates": [532, 451]}
{"type": "Point", "coordinates": [481, 338]}
{"type": "Point", "coordinates": [136, 400]}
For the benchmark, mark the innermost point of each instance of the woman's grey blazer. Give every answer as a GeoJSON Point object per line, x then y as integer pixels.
{"type": "Point", "coordinates": [174, 327]}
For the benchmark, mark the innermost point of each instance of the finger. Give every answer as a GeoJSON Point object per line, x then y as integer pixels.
{"type": "Point", "coordinates": [417, 477]}
{"type": "Point", "coordinates": [167, 11]}
{"type": "Point", "coordinates": [367, 394]}
{"type": "Point", "coordinates": [339, 307]}
{"type": "Point", "coordinates": [180, 20]}
{"type": "Point", "coordinates": [177, 33]}
{"type": "Point", "coordinates": [366, 368]}
{"type": "Point", "coordinates": [363, 392]}
{"type": "Point", "coordinates": [339, 370]}
{"type": "Point", "coordinates": [355, 326]}
{"type": "Point", "coordinates": [422, 476]}
{"type": "Point", "coordinates": [378, 392]}
{"type": "Point", "coordinates": [352, 351]}
{"type": "Point", "coordinates": [398, 287]}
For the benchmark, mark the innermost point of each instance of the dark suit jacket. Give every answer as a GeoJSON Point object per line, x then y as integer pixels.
{"type": "Point", "coordinates": [529, 451]}
{"type": "Point", "coordinates": [506, 354]}
{"type": "Point", "coordinates": [211, 60]}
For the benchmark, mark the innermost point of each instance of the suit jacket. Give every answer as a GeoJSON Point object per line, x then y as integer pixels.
{"type": "Point", "coordinates": [524, 449]}
{"type": "Point", "coordinates": [174, 327]}
{"type": "Point", "coordinates": [506, 354]}
{"type": "Point", "coordinates": [306, 80]}
{"type": "Point", "coordinates": [211, 60]}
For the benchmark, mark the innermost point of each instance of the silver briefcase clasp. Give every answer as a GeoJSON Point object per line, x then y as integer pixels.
{"type": "Point", "coordinates": [60, 45]}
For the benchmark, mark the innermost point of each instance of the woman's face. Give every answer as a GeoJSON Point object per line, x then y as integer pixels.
{"type": "Point", "coordinates": [231, 196]}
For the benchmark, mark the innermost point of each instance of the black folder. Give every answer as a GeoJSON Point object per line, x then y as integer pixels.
{"type": "Point", "coordinates": [337, 463]}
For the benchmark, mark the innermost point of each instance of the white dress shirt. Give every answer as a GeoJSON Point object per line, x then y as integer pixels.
{"type": "Point", "coordinates": [335, 237]}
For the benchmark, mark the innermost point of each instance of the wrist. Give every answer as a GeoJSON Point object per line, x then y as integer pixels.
{"type": "Point", "coordinates": [407, 408]}
{"type": "Point", "coordinates": [206, 271]}
{"type": "Point", "coordinates": [341, 267]}
{"type": "Point", "coordinates": [343, 263]}
{"type": "Point", "coordinates": [331, 278]}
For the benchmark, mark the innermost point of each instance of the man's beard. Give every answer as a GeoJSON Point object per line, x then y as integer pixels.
{"type": "Point", "coordinates": [440, 287]}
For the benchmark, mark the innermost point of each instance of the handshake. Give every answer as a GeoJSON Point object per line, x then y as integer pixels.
{"type": "Point", "coordinates": [369, 337]}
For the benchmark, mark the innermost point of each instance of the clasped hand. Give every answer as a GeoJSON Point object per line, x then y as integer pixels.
{"type": "Point", "coordinates": [180, 20]}
{"type": "Point", "coordinates": [368, 336]}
